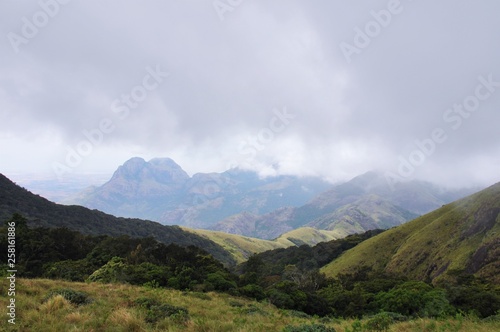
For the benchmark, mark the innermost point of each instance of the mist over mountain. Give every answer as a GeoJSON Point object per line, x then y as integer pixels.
{"type": "Point", "coordinates": [241, 202]}
{"type": "Point", "coordinates": [364, 203]}
{"type": "Point", "coordinates": [160, 190]}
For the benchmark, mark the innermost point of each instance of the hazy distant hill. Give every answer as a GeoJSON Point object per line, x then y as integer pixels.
{"type": "Point", "coordinates": [460, 237]}
{"type": "Point", "coordinates": [160, 190]}
{"type": "Point", "coordinates": [366, 202]}
{"type": "Point", "coordinates": [41, 212]}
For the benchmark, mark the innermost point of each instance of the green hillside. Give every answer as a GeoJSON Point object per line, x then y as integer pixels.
{"type": "Point", "coordinates": [43, 213]}
{"type": "Point", "coordinates": [309, 236]}
{"type": "Point", "coordinates": [241, 247]}
{"type": "Point", "coordinates": [458, 238]}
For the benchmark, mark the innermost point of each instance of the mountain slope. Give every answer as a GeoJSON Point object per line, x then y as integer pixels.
{"type": "Point", "coordinates": [43, 213]}
{"type": "Point", "coordinates": [160, 190]}
{"type": "Point", "coordinates": [241, 247]}
{"type": "Point", "coordinates": [363, 203]}
{"type": "Point", "coordinates": [308, 235]}
{"type": "Point", "coordinates": [138, 185]}
{"type": "Point", "coordinates": [459, 237]}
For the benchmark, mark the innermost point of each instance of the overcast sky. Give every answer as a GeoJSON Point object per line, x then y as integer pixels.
{"type": "Point", "coordinates": [329, 88]}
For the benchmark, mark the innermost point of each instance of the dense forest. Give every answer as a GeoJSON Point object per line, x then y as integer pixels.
{"type": "Point", "coordinates": [287, 278]}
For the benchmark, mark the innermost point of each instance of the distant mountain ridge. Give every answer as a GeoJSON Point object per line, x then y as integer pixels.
{"type": "Point", "coordinates": [363, 203]}
{"type": "Point", "coordinates": [160, 190]}
{"type": "Point", "coordinates": [240, 202]}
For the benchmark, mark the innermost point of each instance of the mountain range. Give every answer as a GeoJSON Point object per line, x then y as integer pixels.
{"type": "Point", "coordinates": [161, 190]}
{"type": "Point", "coordinates": [363, 203]}
{"type": "Point", "coordinates": [458, 238]}
{"type": "Point", "coordinates": [227, 248]}
{"type": "Point", "coordinates": [241, 202]}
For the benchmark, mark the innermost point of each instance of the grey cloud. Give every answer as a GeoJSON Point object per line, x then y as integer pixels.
{"type": "Point", "coordinates": [226, 77]}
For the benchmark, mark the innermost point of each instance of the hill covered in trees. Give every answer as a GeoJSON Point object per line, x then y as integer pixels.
{"type": "Point", "coordinates": [42, 213]}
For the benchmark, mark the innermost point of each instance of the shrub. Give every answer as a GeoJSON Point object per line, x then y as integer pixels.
{"type": "Point", "coordinates": [157, 311]}
{"type": "Point", "coordinates": [74, 297]}
{"type": "Point", "coordinates": [407, 299]}
{"type": "Point", "coordinates": [308, 328]}
{"type": "Point", "coordinates": [146, 302]}
{"type": "Point", "coordinates": [219, 281]}
{"type": "Point", "coordinates": [253, 291]}
{"type": "Point", "coordinates": [112, 271]}
{"type": "Point", "coordinates": [379, 322]}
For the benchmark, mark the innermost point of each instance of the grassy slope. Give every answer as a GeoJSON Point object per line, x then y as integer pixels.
{"type": "Point", "coordinates": [242, 247]}
{"type": "Point", "coordinates": [442, 240]}
{"type": "Point", "coordinates": [113, 310]}
{"type": "Point", "coordinates": [308, 235]}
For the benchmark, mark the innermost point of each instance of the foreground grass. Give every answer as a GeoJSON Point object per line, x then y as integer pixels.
{"type": "Point", "coordinates": [113, 309]}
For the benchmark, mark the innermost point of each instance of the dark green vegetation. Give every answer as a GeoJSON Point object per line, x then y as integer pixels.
{"type": "Point", "coordinates": [463, 233]}
{"type": "Point", "coordinates": [274, 262]}
{"type": "Point", "coordinates": [287, 278]}
{"type": "Point", "coordinates": [59, 253]}
{"type": "Point", "coordinates": [42, 213]}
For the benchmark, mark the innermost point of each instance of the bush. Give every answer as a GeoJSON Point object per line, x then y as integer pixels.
{"type": "Point", "coordinates": [68, 270]}
{"type": "Point", "coordinates": [379, 322]}
{"type": "Point", "coordinates": [308, 328]}
{"type": "Point", "coordinates": [146, 302]}
{"type": "Point", "coordinates": [253, 291]}
{"type": "Point", "coordinates": [219, 281]}
{"type": "Point", "coordinates": [157, 311]}
{"type": "Point", "coordinates": [111, 272]}
{"type": "Point", "coordinates": [407, 299]}
{"type": "Point", "coordinates": [74, 297]}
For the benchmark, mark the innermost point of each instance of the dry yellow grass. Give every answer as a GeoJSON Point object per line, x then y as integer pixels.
{"type": "Point", "coordinates": [113, 309]}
